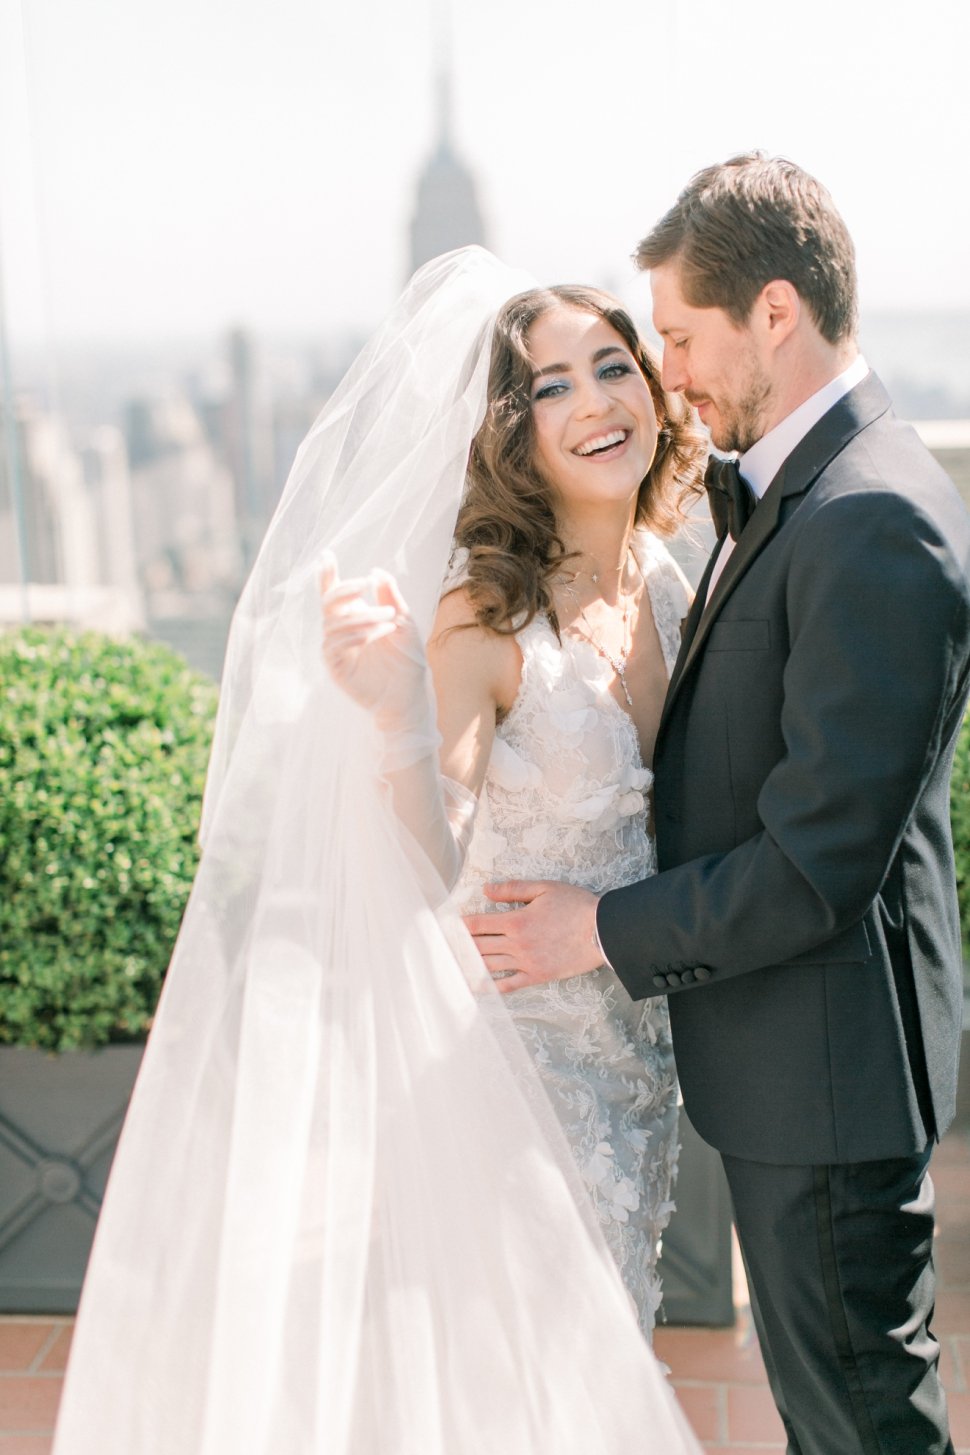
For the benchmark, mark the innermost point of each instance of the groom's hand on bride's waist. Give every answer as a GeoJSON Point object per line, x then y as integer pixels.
{"type": "Point", "coordinates": [552, 937]}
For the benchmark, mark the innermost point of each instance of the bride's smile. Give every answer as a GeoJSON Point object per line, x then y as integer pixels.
{"type": "Point", "coordinates": [603, 446]}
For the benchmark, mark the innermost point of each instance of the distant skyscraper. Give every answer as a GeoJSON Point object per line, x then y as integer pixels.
{"type": "Point", "coordinates": [75, 560]}
{"type": "Point", "coordinates": [60, 515]}
{"type": "Point", "coordinates": [249, 445]}
{"type": "Point", "coordinates": [105, 463]}
{"type": "Point", "coordinates": [447, 214]}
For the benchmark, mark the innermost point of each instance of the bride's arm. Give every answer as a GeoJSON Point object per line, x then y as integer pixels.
{"type": "Point", "coordinates": [374, 653]}
{"type": "Point", "coordinates": [475, 675]}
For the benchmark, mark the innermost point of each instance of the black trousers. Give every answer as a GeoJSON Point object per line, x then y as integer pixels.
{"type": "Point", "coordinates": [840, 1271]}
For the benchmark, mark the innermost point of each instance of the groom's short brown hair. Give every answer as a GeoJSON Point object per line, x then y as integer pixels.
{"type": "Point", "coordinates": [750, 220]}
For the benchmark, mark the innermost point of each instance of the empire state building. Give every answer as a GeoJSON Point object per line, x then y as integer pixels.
{"type": "Point", "coordinates": [446, 213]}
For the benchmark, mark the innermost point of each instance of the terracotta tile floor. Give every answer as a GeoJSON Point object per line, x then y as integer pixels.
{"type": "Point", "coordinates": [718, 1373]}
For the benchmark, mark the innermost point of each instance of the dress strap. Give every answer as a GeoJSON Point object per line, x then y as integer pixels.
{"type": "Point", "coordinates": [670, 592]}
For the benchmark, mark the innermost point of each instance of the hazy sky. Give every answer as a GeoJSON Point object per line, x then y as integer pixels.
{"type": "Point", "coordinates": [167, 169]}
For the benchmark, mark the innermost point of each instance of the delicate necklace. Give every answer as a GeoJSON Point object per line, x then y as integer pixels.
{"type": "Point", "coordinates": [619, 664]}
{"type": "Point", "coordinates": [569, 582]}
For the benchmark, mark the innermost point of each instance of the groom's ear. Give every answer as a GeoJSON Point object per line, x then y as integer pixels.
{"type": "Point", "coordinates": [777, 311]}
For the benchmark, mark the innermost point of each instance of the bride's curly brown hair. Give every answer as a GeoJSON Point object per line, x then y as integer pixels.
{"type": "Point", "coordinates": [507, 520]}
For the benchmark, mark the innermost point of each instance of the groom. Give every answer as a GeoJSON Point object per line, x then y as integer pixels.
{"type": "Point", "coordinates": [804, 921]}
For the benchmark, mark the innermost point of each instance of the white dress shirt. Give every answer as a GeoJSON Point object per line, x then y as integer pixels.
{"type": "Point", "coordinates": [759, 465]}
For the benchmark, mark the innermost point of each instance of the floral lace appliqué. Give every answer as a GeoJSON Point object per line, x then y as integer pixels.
{"type": "Point", "coordinates": [565, 797]}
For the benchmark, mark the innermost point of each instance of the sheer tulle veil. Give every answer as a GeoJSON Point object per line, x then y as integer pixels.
{"type": "Point", "coordinates": [341, 1219]}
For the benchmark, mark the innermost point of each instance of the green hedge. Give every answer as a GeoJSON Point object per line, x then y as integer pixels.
{"type": "Point", "coordinates": [960, 818]}
{"type": "Point", "coordinates": [103, 751]}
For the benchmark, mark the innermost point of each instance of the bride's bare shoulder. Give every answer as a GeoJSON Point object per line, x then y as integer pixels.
{"type": "Point", "coordinates": [459, 643]}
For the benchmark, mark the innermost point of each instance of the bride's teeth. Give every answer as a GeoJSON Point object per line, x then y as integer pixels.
{"type": "Point", "coordinates": [604, 442]}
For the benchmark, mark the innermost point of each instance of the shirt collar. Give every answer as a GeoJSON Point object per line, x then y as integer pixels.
{"type": "Point", "coordinates": [761, 463]}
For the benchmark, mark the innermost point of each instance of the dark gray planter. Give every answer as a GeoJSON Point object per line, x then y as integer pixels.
{"type": "Point", "coordinates": [60, 1116]}
{"type": "Point", "coordinates": [963, 1083]}
{"type": "Point", "coordinates": [695, 1262]}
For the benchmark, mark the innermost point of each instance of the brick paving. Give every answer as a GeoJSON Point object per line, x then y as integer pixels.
{"type": "Point", "coordinates": [718, 1373]}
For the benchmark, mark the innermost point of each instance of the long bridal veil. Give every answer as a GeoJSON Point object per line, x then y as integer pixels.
{"type": "Point", "coordinates": [342, 1219]}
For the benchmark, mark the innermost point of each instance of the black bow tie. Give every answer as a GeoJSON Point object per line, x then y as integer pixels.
{"type": "Point", "coordinates": [729, 497]}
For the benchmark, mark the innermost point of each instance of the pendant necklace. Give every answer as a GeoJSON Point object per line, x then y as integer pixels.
{"type": "Point", "coordinates": [619, 664]}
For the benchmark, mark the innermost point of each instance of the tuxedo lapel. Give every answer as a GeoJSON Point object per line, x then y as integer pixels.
{"type": "Point", "coordinates": [866, 402]}
{"type": "Point", "coordinates": [760, 528]}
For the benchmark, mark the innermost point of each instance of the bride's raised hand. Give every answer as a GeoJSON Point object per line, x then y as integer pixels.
{"type": "Point", "coordinates": [371, 645]}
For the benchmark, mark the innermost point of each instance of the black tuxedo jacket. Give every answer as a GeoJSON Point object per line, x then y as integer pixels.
{"type": "Point", "coordinates": [804, 922]}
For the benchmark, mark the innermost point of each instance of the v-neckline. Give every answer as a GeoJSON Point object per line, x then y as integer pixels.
{"type": "Point", "coordinates": [607, 693]}
{"type": "Point", "coordinates": [650, 581]}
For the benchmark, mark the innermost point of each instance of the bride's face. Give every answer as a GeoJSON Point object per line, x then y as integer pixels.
{"type": "Point", "coordinates": [594, 417]}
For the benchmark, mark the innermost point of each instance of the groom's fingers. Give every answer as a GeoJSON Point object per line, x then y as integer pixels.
{"type": "Point", "coordinates": [484, 927]}
{"type": "Point", "coordinates": [498, 962]}
{"type": "Point", "coordinates": [552, 937]}
{"type": "Point", "coordinates": [504, 983]}
{"type": "Point", "coordinates": [520, 891]}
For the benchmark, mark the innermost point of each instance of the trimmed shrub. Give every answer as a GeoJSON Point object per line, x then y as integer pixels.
{"type": "Point", "coordinates": [103, 751]}
{"type": "Point", "coordinates": [960, 819]}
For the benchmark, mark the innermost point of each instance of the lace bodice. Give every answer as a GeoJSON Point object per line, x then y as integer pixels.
{"type": "Point", "coordinates": [565, 794]}
{"type": "Point", "coordinates": [566, 797]}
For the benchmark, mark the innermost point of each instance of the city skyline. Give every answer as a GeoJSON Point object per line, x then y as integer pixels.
{"type": "Point", "coordinates": [166, 174]}
{"type": "Point", "coordinates": [158, 403]}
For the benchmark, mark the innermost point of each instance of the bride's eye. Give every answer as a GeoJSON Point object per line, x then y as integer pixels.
{"type": "Point", "coordinates": [616, 370]}
{"type": "Point", "coordinates": [551, 390]}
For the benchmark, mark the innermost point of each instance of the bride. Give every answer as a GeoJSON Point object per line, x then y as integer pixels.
{"type": "Point", "coordinates": [550, 656]}
{"type": "Point", "coordinates": [345, 1215]}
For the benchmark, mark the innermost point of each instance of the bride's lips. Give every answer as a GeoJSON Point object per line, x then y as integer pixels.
{"type": "Point", "coordinates": [588, 449]}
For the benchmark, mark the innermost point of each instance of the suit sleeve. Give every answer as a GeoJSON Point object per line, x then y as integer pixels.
{"type": "Point", "coordinates": [878, 617]}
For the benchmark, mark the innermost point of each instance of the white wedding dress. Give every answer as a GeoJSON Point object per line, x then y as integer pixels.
{"type": "Point", "coordinates": [343, 1218]}
{"type": "Point", "coordinates": [565, 797]}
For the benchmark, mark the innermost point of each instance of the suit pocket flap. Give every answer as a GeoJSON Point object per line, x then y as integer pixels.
{"type": "Point", "coordinates": [851, 947]}
{"type": "Point", "coordinates": [739, 636]}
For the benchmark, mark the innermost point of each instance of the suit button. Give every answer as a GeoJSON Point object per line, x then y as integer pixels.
{"type": "Point", "coordinates": [701, 972]}
{"type": "Point", "coordinates": [673, 979]}
{"type": "Point", "coordinates": [660, 981]}
{"type": "Point", "coordinates": [687, 978]}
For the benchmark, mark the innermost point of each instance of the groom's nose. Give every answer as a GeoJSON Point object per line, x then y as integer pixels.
{"type": "Point", "coordinates": [673, 375]}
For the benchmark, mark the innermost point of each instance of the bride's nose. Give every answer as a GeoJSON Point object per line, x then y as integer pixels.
{"type": "Point", "coordinates": [592, 399]}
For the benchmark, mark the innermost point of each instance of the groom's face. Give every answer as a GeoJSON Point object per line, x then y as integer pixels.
{"type": "Point", "coordinates": [713, 361]}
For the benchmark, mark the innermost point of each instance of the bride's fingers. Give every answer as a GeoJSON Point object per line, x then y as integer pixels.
{"type": "Point", "coordinates": [359, 619]}
{"type": "Point", "coordinates": [357, 588]}
{"type": "Point", "coordinates": [342, 643]}
{"type": "Point", "coordinates": [388, 593]}
{"type": "Point", "coordinates": [338, 610]}
{"type": "Point", "coordinates": [328, 574]}
{"type": "Point", "coordinates": [359, 641]}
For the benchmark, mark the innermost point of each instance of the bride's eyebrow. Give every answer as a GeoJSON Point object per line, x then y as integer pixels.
{"type": "Point", "coordinates": [567, 368]}
{"type": "Point", "coordinates": [552, 369]}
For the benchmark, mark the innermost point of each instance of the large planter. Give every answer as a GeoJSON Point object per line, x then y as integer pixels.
{"type": "Point", "coordinates": [695, 1263]}
{"type": "Point", "coordinates": [59, 1122]}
